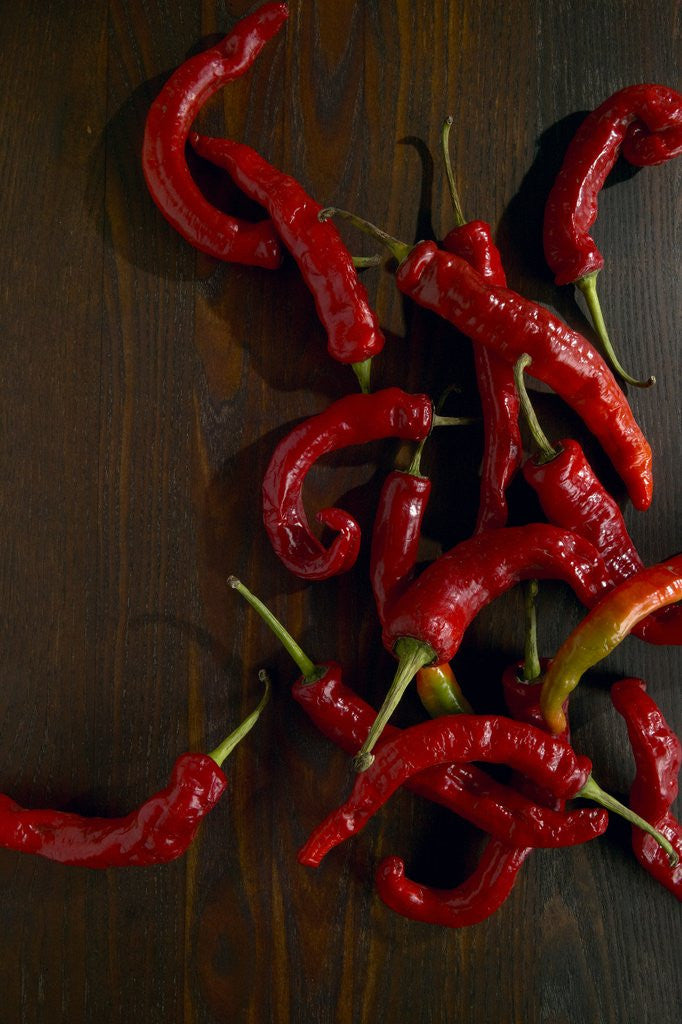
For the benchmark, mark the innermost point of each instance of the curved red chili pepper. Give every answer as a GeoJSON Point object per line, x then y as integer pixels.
{"type": "Point", "coordinates": [355, 419]}
{"type": "Point", "coordinates": [158, 831]}
{"type": "Point", "coordinates": [511, 325]}
{"type": "Point", "coordinates": [571, 208]}
{"type": "Point", "coordinates": [483, 892]}
{"type": "Point", "coordinates": [353, 333]}
{"type": "Point", "coordinates": [572, 497]}
{"type": "Point", "coordinates": [396, 534]}
{"type": "Point", "coordinates": [502, 449]}
{"type": "Point", "coordinates": [343, 717]}
{"type": "Point", "coordinates": [658, 756]}
{"type": "Point", "coordinates": [443, 600]}
{"type": "Point", "coordinates": [166, 131]}
{"type": "Point", "coordinates": [452, 738]}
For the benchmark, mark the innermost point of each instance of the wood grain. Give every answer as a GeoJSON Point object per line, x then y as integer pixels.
{"type": "Point", "coordinates": [144, 388]}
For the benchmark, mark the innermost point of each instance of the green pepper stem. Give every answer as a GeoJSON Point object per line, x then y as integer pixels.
{"type": "Point", "coordinates": [415, 467]}
{"type": "Point", "coordinates": [531, 658]}
{"type": "Point", "coordinates": [400, 250]}
{"type": "Point", "coordinates": [592, 791]}
{"type": "Point", "coordinates": [460, 220]}
{"type": "Point", "coordinates": [363, 372]}
{"type": "Point", "coordinates": [412, 655]}
{"type": "Point", "coordinates": [588, 286]}
{"type": "Point", "coordinates": [308, 669]}
{"type": "Point", "coordinates": [231, 741]}
{"type": "Point", "coordinates": [361, 262]}
{"type": "Point", "coordinates": [452, 421]}
{"type": "Point", "coordinates": [547, 451]}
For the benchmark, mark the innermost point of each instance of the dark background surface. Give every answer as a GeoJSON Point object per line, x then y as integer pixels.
{"type": "Point", "coordinates": [143, 390]}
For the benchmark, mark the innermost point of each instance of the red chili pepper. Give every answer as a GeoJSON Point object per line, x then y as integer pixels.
{"type": "Point", "coordinates": [505, 322]}
{"type": "Point", "coordinates": [658, 756]}
{"type": "Point", "coordinates": [451, 739]}
{"type": "Point", "coordinates": [355, 419]}
{"type": "Point", "coordinates": [427, 622]}
{"type": "Point", "coordinates": [604, 627]}
{"type": "Point", "coordinates": [166, 131]}
{"type": "Point", "coordinates": [439, 691]}
{"type": "Point", "coordinates": [502, 448]}
{"type": "Point", "coordinates": [343, 717]}
{"type": "Point", "coordinates": [353, 333]}
{"type": "Point", "coordinates": [158, 831]}
{"type": "Point", "coordinates": [572, 497]}
{"type": "Point", "coordinates": [653, 116]}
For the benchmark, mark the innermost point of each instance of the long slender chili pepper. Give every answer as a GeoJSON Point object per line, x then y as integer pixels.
{"type": "Point", "coordinates": [603, 628]}
{"type": "Point", "coordinates": [160, 830]}
{"type": "Point", "coordinates": [547, 760]}
{"type": "Point", "coordinates": [343, 717]}
{"type": "Point", "coordinates": [354, 419]}
{"type": "Point", "coordinates": [166, 131]}
{"type": "Point", "coordinates": [353, 333]}
{"type": "Point", "coordinates": [658, 756]}
{"type": "Point", "coordinates": [572, 497]}
{"type": "Point", "coordinates": [505, 322]}
{"type": "Point", "coordinates": [427, 623]}
{"type": "Point", "coordinates": [571, 210]}
{"type": "Point", "coordinates": [502, 449]}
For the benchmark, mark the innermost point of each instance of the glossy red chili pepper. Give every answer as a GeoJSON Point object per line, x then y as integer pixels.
{"type": "Point", "coordinates": [658, 756]}
{"type": "Point", "coordinates": [502, 320]}
{"type": "Point", "coordinates": [492, 880]}
{"type": "Point", "coordinates": [355, 419]}
{"type": "Point", "coordinates": [502, 449]}
{"type": "Point", "coordinates": [453, 738]}
{"type": "Point", "coordinates": [160, 830]}
{"type": "Point", "coordinates": [353, 333]}
{"type": "Point", "coordinates": [396, 535]}
{"type": "Point", "coordinates": [572, 497]}
{"type": "Point", "coordinates": [645, 149]}
{"type": "Point", "coordinates": [166, 131]}
{"type": "Point", "coordinates": [343, 717]}
{"type": "Point", "coordinates": [571, 208]}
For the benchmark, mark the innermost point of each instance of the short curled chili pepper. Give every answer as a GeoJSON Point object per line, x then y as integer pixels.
{"type": "Point", "coordinates": [427, 622]}
{"type": "Point", "coordinates": [160, 830]}
{"type": "Point", "coordinates": [166, 132]}
{"type": "Point", "coordinates": [572, 497]}
{"type": "Point", "coordinates": [353, 333]}
{"type": "Point", "coordinates": [649, 112]}
{"type": "Point", "coordinates": [354, 419]}
{"type": "Point", "coordinates": [510, 325]}
{"type": "Point", "coordinates": [502, 449]}
{"type": "Point", "coordinates": [603, 628]}
{"type": "Point", "coordinates": [658, 756]}
{"type": "Point", "coordinates": [343, 717]}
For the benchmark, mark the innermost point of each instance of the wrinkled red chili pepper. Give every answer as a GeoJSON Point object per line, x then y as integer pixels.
{"type": "Point", "coordinates": [343, 717]}
{"type": "Point", "coordinates": [353, 333]}
{"type": "Point", "coordinates": [166, 131]}
{"type": "Point", "coordinates": [653, 116]}
{"type": "Point", "coordinates": [658, 756]}
{"type": "Point", "coordinates": [428, 620]}
{"type": "Point", "coordinates": [502, 449]}
{"type": "Point", "coordinates": [603, 628]}
{"type": "Point", "coordinates": [572, 497]}
{"type": "Point", "coordinates": [354, 419]}
{"type": "Point", "coordinates": [160, 830]}
{"type": "Point", "coordinates": [505, 322]}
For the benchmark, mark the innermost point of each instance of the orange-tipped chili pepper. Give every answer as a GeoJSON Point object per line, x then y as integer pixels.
{"type": "Point", "coordinates": [166, 131]}
{"type": "Point", "coordinates": [658, 756]}
{"type": "Point", "coordinates": [652, 114]}
{"type": "Point", "coordinates": [603, 628]}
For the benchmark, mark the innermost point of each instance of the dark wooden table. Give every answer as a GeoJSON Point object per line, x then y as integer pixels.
{"type": "Point", "coordinates": [143, 390]}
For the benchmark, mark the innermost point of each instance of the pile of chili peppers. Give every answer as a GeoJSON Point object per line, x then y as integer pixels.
{"type": "Point", "coordinates": [423, 614]}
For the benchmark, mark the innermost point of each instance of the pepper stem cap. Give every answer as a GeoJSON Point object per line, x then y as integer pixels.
{"type": "Point", "coordinates": [363, 371]}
